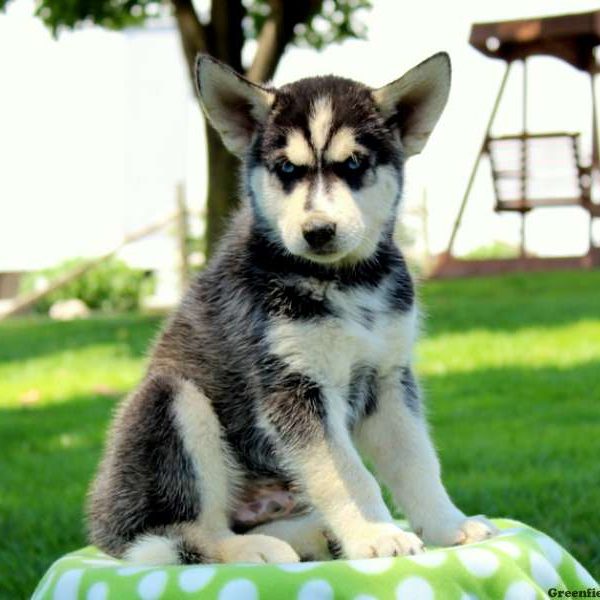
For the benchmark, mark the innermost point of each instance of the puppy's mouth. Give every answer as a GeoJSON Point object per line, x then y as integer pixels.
{"type": "Point", "coordinates": [331, 253]}
{"type": "Point", "coordinates": [328, 250]}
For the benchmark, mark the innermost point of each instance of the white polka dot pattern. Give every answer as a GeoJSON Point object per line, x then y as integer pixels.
{"type": "Point", "coordinates": [67, 586]}
{"type": "Point", "coordinates": [239, 589]}
{"type": "Point", "coordinates": [520, 590]}
{"type": "Point", "coordinates": [316, 590]}
{"type": "Point", "coordinates": [479, 562]}
{"type": "Point", "coordinates": [585, 578]}
{"type": "Point", "coordinates": [542, 571]}
{"type": "Point", "coordinates": [551, 550]}
{"type": "Point", "coordinates": [371, 565]}
{"type": "Point", "coordinates": [414, 587]}
{"type": "Point", "coordinates": [517, 565]}
{"type": "Point", "coordinates": [99, 591]}
{"type": "Point", "coordinates": [196, 578]}
{"type": "Point", "coordinates": [152, 585]}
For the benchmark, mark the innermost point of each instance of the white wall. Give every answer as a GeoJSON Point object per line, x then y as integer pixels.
{"type": "Point", "coordinates": [96, 129]}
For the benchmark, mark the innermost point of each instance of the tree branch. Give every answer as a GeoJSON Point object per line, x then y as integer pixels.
{"type": "Point", "coordinates": [227, 34]}
{"type": "Point", "coordinates": [277, 33]}
{"type": "Point", "coordinates": [192, 32]}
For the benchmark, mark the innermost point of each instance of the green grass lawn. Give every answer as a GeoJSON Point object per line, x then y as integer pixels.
{"type": "Point", "coordinates": [511, 367]}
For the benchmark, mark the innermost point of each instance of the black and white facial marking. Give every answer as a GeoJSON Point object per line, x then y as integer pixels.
{"type": "Point", "coordinates": [324, 156]}
{"type": "Point", "coordinates": [329, 173]}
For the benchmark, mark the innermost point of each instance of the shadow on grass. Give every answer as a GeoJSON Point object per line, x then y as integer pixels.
{"type": "Point", "coordinates": [26, 338]}
{"type": "Point", "coordinates": [510, 302]}
{"type": "Point", "coordinates": [48, 456]}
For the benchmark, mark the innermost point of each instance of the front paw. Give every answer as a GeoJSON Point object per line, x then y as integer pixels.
{"type": "Point", "coordinates": [459, 531]}
{"type": "Point", "coordinates": [380, 540]}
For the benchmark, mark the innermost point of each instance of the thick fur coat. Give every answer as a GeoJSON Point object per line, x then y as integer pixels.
{"type": "Point", "coordinates": [291, 355]}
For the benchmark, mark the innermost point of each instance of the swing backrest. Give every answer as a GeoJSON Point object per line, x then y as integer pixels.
{"type": "Point", "coordinates": [537, 170]}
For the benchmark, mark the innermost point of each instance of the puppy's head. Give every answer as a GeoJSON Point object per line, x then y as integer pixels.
{"type": "Point", "coordinates": [324, 156]}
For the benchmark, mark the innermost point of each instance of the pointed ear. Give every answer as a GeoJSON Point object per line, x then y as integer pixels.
{"type": "Point", "coordinates": [233, 105]}
{"type": "Point", "coordinates": [415, 102]}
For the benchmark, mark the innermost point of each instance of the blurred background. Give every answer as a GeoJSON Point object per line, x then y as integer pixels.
{"type": "Point", "coordinates": [113, 193]}
{"type": "Point", "coordinates": [101, 131]}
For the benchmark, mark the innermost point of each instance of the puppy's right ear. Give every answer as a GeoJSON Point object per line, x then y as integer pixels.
{"type": "Point", "coordinates": [233, 105]}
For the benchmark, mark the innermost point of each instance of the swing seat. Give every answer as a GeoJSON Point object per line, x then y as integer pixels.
{"type": "Point", "coordinates": [537, 170]}
{"type": "Point", "coordinates": [520, 563]}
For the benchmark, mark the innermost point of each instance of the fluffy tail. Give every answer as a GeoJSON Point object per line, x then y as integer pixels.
{"type": "Point", "coordinates": [169, 549]}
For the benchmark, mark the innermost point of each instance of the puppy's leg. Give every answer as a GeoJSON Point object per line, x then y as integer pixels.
{"type": "Point", "coordinates": [396, 439]}
{"type": "Point", "coordinates": [167, 482]}
{"type": "Point", "coordinates": [201, 432]}
{"type": "Point", "coordinates": [314, 441]}
{"type": "Point", "coordinates": [304, 533]}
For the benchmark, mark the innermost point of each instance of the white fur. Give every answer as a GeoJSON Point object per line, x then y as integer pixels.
{"type": "Point", "coordinates": [218, 480]}
{"type": "Point", "coordinates": [359, 216]}
{"type": "Point", "coordinates": [345, 493]}
{"type": "Point", "coordinates": [321, 119]}
{"type": "Point", "coordinates": [297, 149]}
{"type": "Point", "coordinates": [152, 550]}
{"type": "Point", "coordinates": [201, 434]}
{"type": "Point", "coordinates": [256, 548]}
{"type": "Point", "coordinates": [342, 145]}
{"type": "Point", "coordinates": [410, 468]}
{"type": "Point", "coordinates": [305, 533]}
{"type": "Point", "coordinates": [327, 351]}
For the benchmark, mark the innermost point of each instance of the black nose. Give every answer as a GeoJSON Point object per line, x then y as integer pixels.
{"type": "Point", "coordinates": [317, 233]}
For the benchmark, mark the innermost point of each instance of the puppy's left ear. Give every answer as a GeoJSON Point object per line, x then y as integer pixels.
{"type": "Point", "coordinates": [234, 105]}
{"type": "Point", "coordinates": [415, 102]}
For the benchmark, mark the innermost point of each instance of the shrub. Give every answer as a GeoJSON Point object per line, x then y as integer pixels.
{"type": "Point", "coordinates": [497, 249]}
{"type": "Point", "coordinates": [112, 286]}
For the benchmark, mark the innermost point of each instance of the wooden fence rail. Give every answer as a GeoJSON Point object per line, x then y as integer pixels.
{"type": "Point", "coordinates": [26, 301]}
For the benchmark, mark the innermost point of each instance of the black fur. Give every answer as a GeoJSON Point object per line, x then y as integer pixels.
{"type": "Point", "coordinates": [295, 406]}
{"type": "Point", "coordinates": [263, 257]}
{"type": "Point", "coordinates": [148, 481]}
{"type": "Point", "coordinates": [362, 393]}
{"type": "Point", "coordinates": [411, 389]}
{"type": "Point", "coordinates": [188, 555]}
{"type": "Point", "coordinates": [352, 105]}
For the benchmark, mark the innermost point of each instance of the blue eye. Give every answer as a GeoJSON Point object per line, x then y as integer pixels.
{"type": "Point", "coordinates": [354, 163]}
{"type": "Point", "coordinates": [287, 167]}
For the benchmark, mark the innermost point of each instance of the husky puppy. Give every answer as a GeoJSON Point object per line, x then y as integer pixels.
{"type": "Point", "coordinates": [290, 357]}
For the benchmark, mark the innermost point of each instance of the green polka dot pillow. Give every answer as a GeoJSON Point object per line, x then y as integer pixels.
{"type": "Point", "coordinates": [519, 564]}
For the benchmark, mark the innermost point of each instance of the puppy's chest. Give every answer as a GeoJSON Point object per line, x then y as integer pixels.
{"type": "Point", "coordinates": [357, 327]}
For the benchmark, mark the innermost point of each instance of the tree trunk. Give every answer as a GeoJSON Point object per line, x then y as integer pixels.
{"type": "Point", "coordinates": [223, 38]}
{"type": "Point", "coordinates": [223, 188]}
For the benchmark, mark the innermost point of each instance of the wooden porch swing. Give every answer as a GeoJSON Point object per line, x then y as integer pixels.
{"type": "Point", "coordinates": [534, 170]}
